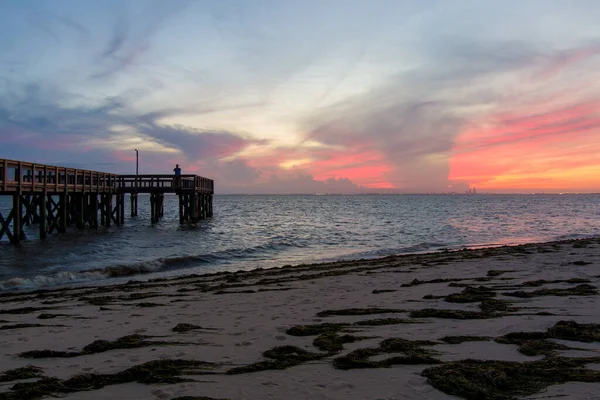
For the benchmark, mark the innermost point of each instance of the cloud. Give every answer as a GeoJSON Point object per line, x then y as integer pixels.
{"type": "Point", "coordinates": [416, 121]}
{"type": "Point", "coordinates": [35, 119]}
{"type": "Point", "coordinates": [196, 144]}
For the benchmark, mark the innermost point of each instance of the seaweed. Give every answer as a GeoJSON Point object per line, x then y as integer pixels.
{"type": "Point", "coordinates": [462, 339]}
{"type": "Point", "coordinates": [571, 330]}
{"type": "Point", "coordinates": [496, 272]}
{"type": "Point", "coordinates": [147, 305]}
{"type": "Point", "coordinates": [99, 346]}
{"type": "Point", "coordinates": [412, 350]}
{"type": "Point", "coordinates": [470, 294]}
{"type": "Point", "coordinates": [416, 282]}
{"type": "Point", "coordinates": [504, 380]}
{"type": "Point", "coordinates": [536, 343]}
{"type": "Point", "coordinates": [496, 306]}
{"type": "Point", "coordinates": [157, 371]}
{"type": "Point", "coordinates": [51, 316]}
{"type": "Point", "coordinates": [541, 347]}
{"type": "Point", "coordinates": [280, 357]}
{"type": "Point", "coordinates": [332, 342]}
{"type": "Point", "coordinates": [49, 354]}
{"type": "Point", "coordinates": [24, 310]}
{"type": "Point", "coordinates": [27, 372]}
{"type": "Point", "coordinates": [19, 326]}
{"type": "Point", "coordinates": [359, 311]}
{"type": "Point", "coordinates": [579, 290]}
{"type": "Point", "coordinates": [234, 291]}
{"type": "Point", "coordinates": [385, 321]}
{"type": "Point", "coordinates": [196, 398]}
{"type": "Point", "coordinates": [453, 314]}
{"type": "Point", "coordinates": [188, 327]}
{"type": "Point", "coordinates": [540, 282]}
{"type": "Point", "coordinates": [581, 262]}
{"type": "Point", "coordinates": [313, 330]}
{"type": "Point", "coordinates": [377, 291]}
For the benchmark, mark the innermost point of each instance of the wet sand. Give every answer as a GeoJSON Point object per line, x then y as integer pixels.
{"type": "Point", "coordinates": [390, 328]}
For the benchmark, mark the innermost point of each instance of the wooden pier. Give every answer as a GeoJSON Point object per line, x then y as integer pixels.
{"type": "Point", "coordinates": [58, 197]}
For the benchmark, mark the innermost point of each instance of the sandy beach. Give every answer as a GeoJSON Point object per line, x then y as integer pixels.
{"type": "Point", "coordinates": [498, 323]}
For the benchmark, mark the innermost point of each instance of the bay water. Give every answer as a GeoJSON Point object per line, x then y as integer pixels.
{"type": "Point", "coordinates": [249, 232]}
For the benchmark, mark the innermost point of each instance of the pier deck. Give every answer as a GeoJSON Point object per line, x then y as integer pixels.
{"type": "Point", "coordinates": [56, 197]}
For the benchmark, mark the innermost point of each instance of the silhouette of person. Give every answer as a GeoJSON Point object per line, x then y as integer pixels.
{"type": "Point", "coordinates": [177, 171]}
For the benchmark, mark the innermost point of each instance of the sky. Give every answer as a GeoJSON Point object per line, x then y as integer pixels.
{"type": "Point", "coordinates": [309, 96]}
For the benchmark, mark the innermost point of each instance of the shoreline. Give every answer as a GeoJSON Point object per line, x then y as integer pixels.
{"type": "Point", "coordinates": [389, 327]}
{"type": "Point", "coordinates": [112, 275]}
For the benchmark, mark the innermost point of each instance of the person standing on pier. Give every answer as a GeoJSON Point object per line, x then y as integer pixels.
{"type": "Point", "coordinates": [177, 171]}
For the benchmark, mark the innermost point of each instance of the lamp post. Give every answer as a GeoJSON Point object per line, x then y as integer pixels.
{"type": "Point", "coordinates": [136, 167]}
{"type": "Point", "coordinates": [134, 195]}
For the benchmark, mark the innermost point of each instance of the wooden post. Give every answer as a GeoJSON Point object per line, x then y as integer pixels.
{"type": "Point", "coordinates": [63, 207]}
{"type": "Point", "coordinates": [93, 218]}
{"type": "Point", "coordinates": [118, 207]}
{"type": "Point", "coordinates": [17, 213]}
{"type": "Point", "coordinates": [181, 207]}
{"type": "Point", "coordinates": [80, 207]}
{"type": "Point", "coordinates": [152, 208]}
{"type": "Point", "coordinates": [43, 217]}
{"type": "Point", "coordinates": [102, 208]}
{"type": "Point", "coordinates": [122, 209]}
{"type": "Point", "coordinates": [108, 209]}
{"type": "Point", "coordinates": [134, 202]}
{"type": "Point", "coordinates": [193, 208]}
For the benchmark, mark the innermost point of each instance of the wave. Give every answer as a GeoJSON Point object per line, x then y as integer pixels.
{"type": "Point", "coordinates": [145, 267]}
{"type": "Point", "coordinates": [571, 236]}
{"type": "Point", "coordinates": [416, 248]}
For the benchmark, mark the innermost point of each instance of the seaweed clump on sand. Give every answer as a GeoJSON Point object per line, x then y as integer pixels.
{"type": "Point", "coordinates": [188, 327]}
{"type": "Point", "coordinates": [416, 282]}
{"type": "Point", "coordinates": [450, 314]}
{"type": "Point", "coordinates": [21, 373]}
{"type": "Point", "coordinates": [20, 326]}
{"type": "Point", "coordinates": [490, 306]}
{"type": "Point", "coordinates": [571, 330]}
{"type": "Point", "coordinates": [496, 272]}
{"type": "Point", "coordinates": [579, 290]}
{"type": "Point", "coordinates": [504, 380]}
{"type": "Point", "coordinates": [157, 371]}
{"type": "Point", "coordinates": [100, 346]}
{"type": "Point", "coordinates": [313, 330]}
{"type": "Point", "coordinates": [280, 357]}
{"type": "Point", "coordinates": [195, 398]}
{"type": "Point", "coordinates": [537, 343]}
{"type": "Point", "coordinates": [385, 321]}
{"type": "Point", "coordinates": [328, 338]}
{"type": "Point", "coordinates": [24, 310]}
{"type": "Point", "coordinates": [333, 343]}
{"type": "Point", "coordinates": [462, 339]}
{"type": "Point", "coordinates": [359, 311]}
{"type": "Point", "coordinates": [51, 316]}
{"type": "Point", "coordinates": [471, 294]}
{"type": "Point", "coordinates": [413, 353]}
{"type": "Point", "coordinates": [540, 282]}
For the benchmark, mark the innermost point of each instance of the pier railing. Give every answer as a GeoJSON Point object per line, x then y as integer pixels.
{"type": "Point", "coordinates": [31, 177]}
{"type": "Point", "coordinates": [164, 183]}
{"type": "Point", "coordinates": [19, 176]}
